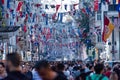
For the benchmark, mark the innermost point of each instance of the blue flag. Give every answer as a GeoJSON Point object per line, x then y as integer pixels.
{"type": "Point", "coordinates": [60, 15]}
{"type": "Point", "coordinates": [34, 15]}
{"type": "Point", "coordinates": [8, 3]}
{"type": "Point", "coordinates": [46, 7]}
{"type": "Point", "coordinates": [46, 19]}
{"type": "Point", "coordinates": [65, 7]}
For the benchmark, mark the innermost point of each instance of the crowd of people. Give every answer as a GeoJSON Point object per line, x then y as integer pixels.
{"type": "Point", "coordinates": [15, 69]}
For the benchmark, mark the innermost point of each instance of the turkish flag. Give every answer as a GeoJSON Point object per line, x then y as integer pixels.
{"type": "Point", "coordinates": [57, 7]}
{"type": "Point", "coordinates": [2, 1]}
{"type": "Point", "coordinates": [25, 28]}
{"type": "Point", "coordinates": [19, 6]}
{"type": "Point", "coordinates": [96, 5]}
{"type": "Point", "coordinates": [108, 28]}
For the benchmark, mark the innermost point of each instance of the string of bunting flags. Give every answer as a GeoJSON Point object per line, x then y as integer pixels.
{"type": "Point", "coordinates": [30, 12]}
{"type": "Point", "coordinates": [43, 22]}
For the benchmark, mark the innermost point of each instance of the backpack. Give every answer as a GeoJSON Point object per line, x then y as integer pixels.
{"type": "Point", "coordinates": [101, 77]}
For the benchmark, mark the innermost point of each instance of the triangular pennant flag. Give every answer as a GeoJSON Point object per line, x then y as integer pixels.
{"type": "Point", "coordinates": [108, 1]}
{"type": "Point", "coordinates": [2, 1]}
{"type": "Point", "coordinates": [65, 7]}
{"type": "Point", "coordinates": [57, 7]}
{"type": "Point", "coordinates": [88, 10]}
{"type": "Point", "coordinates": [52, 6]}
{"type": "Point", "coordinates": [96, 5]}
{"type": "Point", "coordinates": [37, 5]}
{"type": "Point", "coordinates": [34, 15]}
{"type": "Point", "coordinates": [19, 6]}
{"type": "Point", "coordinates": [46, 19]}
{"type": "Point", "coordinates": [54, 15]}
{"type": "Point", "coordinates": [8, 3]}
{"type": "Point", "coordinates": [46, 6]}
{"type": "Point", "coordinates": [74, 5]}
{"type": "Point", "coordinates": [25, 28]}
{"type": "Point", "coordinates": [60, 15]}
{"type": "Point", "coordinates": [26, 18]}
{"type": "Point", "coordinates": [17, 18]}
{"type": "Point", "coordinates": [83, 10]}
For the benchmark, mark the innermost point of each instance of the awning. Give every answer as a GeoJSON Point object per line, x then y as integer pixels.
{"type": "Point", "coordinates": [9, 28]}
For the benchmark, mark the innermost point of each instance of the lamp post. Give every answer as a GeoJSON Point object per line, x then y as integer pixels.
{"type": "Point", "coordinates": [113, 54]}
{"type": "Point", "coordinates": [119, 42]}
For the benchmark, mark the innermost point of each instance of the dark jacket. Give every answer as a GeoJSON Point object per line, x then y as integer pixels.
{"type": "Point", "coordinates": [61, 76]}
{"type": "Point", "coordinates": [16, 75]}
{"type": "Point", "coordinates": [29, 75]}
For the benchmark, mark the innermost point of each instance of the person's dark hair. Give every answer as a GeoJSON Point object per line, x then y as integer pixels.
{"type": "Point", "coordinates": [82, 70]}
{"type": "Point", "coordinates": [2, 64]}
{"type": "Point", "coordinates": [98, 68]}
{"type": "Point", "coordinates": [60, 66]}
{"type": "Point", "coordinates": [108, 68]}
{"type": "Point", "coordinates": [87, 65]}
{"type": "Point", "coordinates": [53, 68]}
{"type": "Point", "coordinates": [90, 66]}
{"type": "Point", "coordinates": [14, 58]}
{"type": "Point", "coordinates": [41, 64]}
{"type": "Point", "coordinates": [117, 70]}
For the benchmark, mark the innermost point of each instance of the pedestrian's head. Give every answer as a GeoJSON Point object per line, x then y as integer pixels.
{"type": "Point", "coordinates": [91, 67]}
{"type": "Point", "coordinates": [99, 68]}
{"type": "Point", "coordinates": [43, 68]}
{"type": "Point", "coordinates": [13, 60]}
{"type": "Point", "coordinates": [24, 69]}
{"type": "Point", "coordinates": [60, 67]}
{"type": "Point", "coordinates": [2, 67]}
{"type": "Point", "coordinates": [113, 76]}
{"type": "Point", "coordinates": [108, 68]}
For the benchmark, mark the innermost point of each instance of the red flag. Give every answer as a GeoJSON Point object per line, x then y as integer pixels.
{"type": "Point", "coordinates": [75, 5]}
{"type": "Point", "coordinates": [37, 5]}
{"type": "Point", "coordinates": [20, 14]}
{"type": "Point", "coordinates": [7, 15]}
{"type": "Point", "coordinates": [43, 14]}
{"type": "Point", "coordinates": [83, 10]}
{"type": "Point", "coordinates": [17, 18]}
{"type": "Point", "coordinates": [2, 1]}
{"type": "Point", "coordinates": [25, 28]}
{"type": "Point", "coordinates": [96, 5]}
{"type": "Point", "coordinates": [108, 1]}
{"type": "Point", "coordinates": [26, 18]}
{"type": "Point", "coordinates": [108, 28]}
{"type": "Point", "coordinates": [19, 6]}
{"type": "Point", "coordinates": [54, 15]}
{"type": "Point", "coordinates": [30, 14]}
{"type": "Point", "coordinates": [57, 7]}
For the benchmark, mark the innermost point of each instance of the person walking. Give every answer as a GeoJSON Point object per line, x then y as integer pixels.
{"type": "Point", "coordinates": [13, 64]}
{"type": "Point", "coordinates": [98, 75]}
{"type": "Point", "coordinates": [3, 73]}
{"type": "Point", "coordinates": [46, 73]}
{"type": "Point", "coordinates": [61, 69]}
{"type": "Point", "coordinates": [113, 76]}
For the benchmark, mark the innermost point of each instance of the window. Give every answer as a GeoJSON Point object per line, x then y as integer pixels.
{"type": "Point", "coordinates": [98, 15]}
{"type": "Point", "coordinates": [112, 7]}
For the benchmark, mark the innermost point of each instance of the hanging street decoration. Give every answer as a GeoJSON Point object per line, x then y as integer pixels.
{"type": "Point", "coordinates": [56, 23]}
